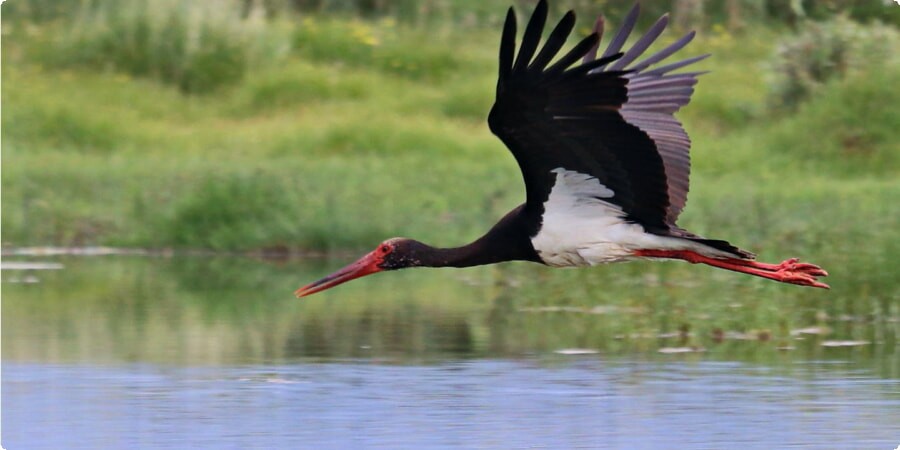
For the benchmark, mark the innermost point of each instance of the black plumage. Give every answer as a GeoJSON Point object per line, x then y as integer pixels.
{"type": "Point", "coordinates": [570, 118]}
{"type": "Point", "coordinates": [607, 120]}
{"type": "Point", "coordinates": [605, 117]}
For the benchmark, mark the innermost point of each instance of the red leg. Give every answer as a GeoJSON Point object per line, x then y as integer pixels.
{"type": "Point", "coordinates": [788, 271]}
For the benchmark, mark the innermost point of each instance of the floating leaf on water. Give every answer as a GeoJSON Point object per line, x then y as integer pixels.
{"type": "Point", "coordinates": [810, 330]}
{"type": "Point", "coordinates": [576, 351]}
{"type": "Point", "coordinates": [600, 309]}
{"type": "Point", "coordinates": [265, 379]}
{"type": "Point", "coordinates": [603, 309]}
{"type": "Point", "coordinates": [675, 350]}
{"type": "Point", "coordinates": [85, 251]}
{"type": "Point", "coordinates": [633, 309]}
{"type": "Point", "coordinates": [280, 381]}
{"type": "Point", "coordinates": [29, 265]}
{"type": "Point", "coordinates": [739, 336]}
{"type": "Point", "coordinates": [844, 343]}
{"type": "Point", "coordinates": [540, 309]}
{"type": "Point", "coordinates": [611, 309]}
{"type": "Point", "coordinates": [675, 334]}
{"type": "Point", "coordinates": [28, 279]}
{"type": "Point", "coordinates": [668, 335]}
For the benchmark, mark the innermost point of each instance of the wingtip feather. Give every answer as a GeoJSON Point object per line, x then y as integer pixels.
{"type": "Point", "coordinates": [507, 44]}
{"type": "Point", "coordinates": [624, 31]}
{"type": "Point", "coordinates": [554, 43]}
{"type": "Point", "coordinates": [532, 36]}
{"type": "Point", "coordinates": [598, 30]}
{"type": "Point", "coordinates": [643, 43]}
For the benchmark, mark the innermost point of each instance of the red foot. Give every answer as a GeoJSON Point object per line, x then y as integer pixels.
{"type": "Point", "coordinates": [788, 271]}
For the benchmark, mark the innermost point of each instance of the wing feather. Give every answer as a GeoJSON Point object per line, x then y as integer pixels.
{"type": "Point", "coordinates": [653, 97]}
{"type": "Point", "coordinates": [622, 35]}
{"type": "Point", "coordinates": [507, 44]}
{"type": "Point", "coordinates": [554, 43]}
{"type": "Point", "coordinates": [601, 117]}
{"type": "Point", "coordinates": [638, 48]}
{"type": "Point", "coordinates": [532, 36]}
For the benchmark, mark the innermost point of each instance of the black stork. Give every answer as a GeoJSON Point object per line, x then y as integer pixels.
{"type": "Point", "coordinates": [605, 162]}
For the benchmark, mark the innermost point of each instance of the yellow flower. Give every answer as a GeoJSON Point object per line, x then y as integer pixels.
{"type": "Point", "coordinates": [389, 22]}
{"type": "Point", "coordinates": [364, 34]}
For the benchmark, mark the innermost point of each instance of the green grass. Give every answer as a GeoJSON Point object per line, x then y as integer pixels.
{"type": "Point", "coordinates": [197, 46]}
{"type": "Point", "coordinates": [379, 46]}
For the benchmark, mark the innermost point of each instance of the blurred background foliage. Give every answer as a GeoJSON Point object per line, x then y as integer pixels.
{"type": "Point", "coordinates": [201, 45]}
{"type": "Point", "coordinates": [490, 12]}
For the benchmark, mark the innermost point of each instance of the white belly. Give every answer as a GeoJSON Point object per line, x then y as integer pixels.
{"type": "Point", "coordinates": [580, 228]}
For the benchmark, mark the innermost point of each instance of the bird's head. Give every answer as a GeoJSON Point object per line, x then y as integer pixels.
{"type": "Point", "coordinates": [392, 254]}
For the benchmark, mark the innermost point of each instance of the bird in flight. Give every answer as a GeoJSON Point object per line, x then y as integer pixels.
{"type": "Point", "coordinates": [605, 162]}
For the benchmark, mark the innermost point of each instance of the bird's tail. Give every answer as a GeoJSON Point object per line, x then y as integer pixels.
{"type": "Point", "coordinates": [724, 246]}
{"type": "Point", "coordinates": [717, 244]}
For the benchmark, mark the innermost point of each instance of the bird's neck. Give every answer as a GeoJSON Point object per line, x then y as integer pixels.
{"type": "Point", "coordinates": [473, 254]}
{"type": "Point", "coordinates": [508, 240]}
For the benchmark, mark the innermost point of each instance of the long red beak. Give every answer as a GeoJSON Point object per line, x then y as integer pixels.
{"type": "Point", "coordinates": [366, 265]}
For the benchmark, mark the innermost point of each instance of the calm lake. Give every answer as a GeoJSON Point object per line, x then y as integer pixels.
{"type": "Point", "coordinates": [214, 352]}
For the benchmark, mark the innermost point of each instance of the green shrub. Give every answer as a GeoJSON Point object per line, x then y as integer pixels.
{"type": "Point", "coordinates": [852, 129]}
{"type": "Point", "coordinates": [230, 212]}
{"type": "Point", "coordinates": [197, 46]}
{"type": "Point", "coordinates": [826, 50]}
{"type": "Point", "coordinates": [39, 10]}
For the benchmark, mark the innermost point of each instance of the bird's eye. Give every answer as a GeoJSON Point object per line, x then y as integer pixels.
{"type": "Point", "coordinates": [384, 249]}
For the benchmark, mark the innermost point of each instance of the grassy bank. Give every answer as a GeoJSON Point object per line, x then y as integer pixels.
{"type": "Point", "coordinates": [361, 130]}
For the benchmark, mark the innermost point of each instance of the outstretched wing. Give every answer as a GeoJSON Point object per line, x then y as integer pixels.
{"type": "Point", "coordinates": [654, 95]}
{"type": "Point", "coordinates": [601, 118]}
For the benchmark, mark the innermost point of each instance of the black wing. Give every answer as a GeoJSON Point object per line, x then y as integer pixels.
{"type": "Point", "coordinates": [600, 118]}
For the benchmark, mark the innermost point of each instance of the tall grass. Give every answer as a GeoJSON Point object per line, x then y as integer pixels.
{"type": "Point", "coordinates": [197, 46]}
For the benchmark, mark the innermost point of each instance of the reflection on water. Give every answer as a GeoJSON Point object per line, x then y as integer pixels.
{"type": "Point", "coordinates": [215, 352]}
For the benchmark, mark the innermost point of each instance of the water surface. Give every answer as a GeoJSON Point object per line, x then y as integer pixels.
{"type": "Point", "coordinates": [126, 352]}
